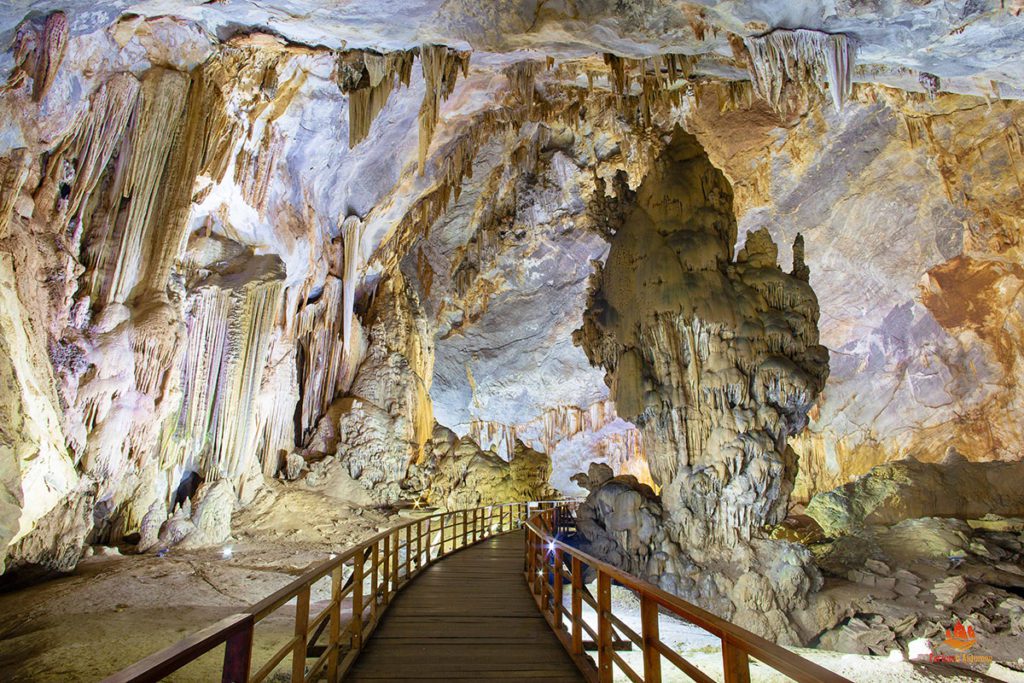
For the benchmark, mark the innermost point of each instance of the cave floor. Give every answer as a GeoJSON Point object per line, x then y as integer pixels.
{"type": "Point", "coordinates": [115, 609]}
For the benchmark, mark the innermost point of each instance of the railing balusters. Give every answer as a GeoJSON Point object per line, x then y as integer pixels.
{"type": "Point", "coordinates": [408, 551]}
{"type": "Point", "coordinates": [396, 540]}
{"type": "Point", "coordinates": [237, 656]}
{"type": "Point", "coordinates": [334, 634]}
{"type": "Point", "coordinates": [386, 573]}
{"type": "Point", "coordinates": [374, 580]}
{"type": "Point", "coordinates": [577, 606]}
{"type": "Point", "coordinates": [556, 577]}
{"type": "Point", "coordinates": [604, 627]}
{"type": "Point", "coordinates": [357, 601]}
{"type": "Point", "coordinates": [736, 663]}
{"type": "Point", "coordinates": [650, 633]}
{"type": "Point", "coordinates": [301, 635]}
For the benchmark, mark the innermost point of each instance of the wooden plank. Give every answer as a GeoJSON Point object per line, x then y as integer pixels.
{"type": "Point", "coordinates": [737, 664]}
{"type": "Point", "coordinates": [604, 627]}
{"type": "Point", "coordinates": [650, 633]}
{"type": "Point", "coordinates": [468, 617]}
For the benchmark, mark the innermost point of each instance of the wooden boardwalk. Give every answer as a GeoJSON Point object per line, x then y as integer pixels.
{"type": "Point", "coordinates": [468, 617]}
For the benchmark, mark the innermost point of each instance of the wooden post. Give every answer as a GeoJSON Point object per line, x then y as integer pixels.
{"type": "Point", "coordinates": [430, 538]}
{"type": "Point", "coordinates": [237, 656]}
{"type": "Point", "coordinates": [556, 577]}
{"type": "Point", "coordinates": [387, 570]}
{"type": "Point", "coordinates": [542, 557]}
{"type": "Point", "coordinates": [444, 536]}
{"type": "Point", "coordinates": [408, 550]}
{"type": "Point", "coordinates": [419, 543]}
{"type": "Point", "coordinates": [604, 628]}
{"type": "Point", "coordinates": [737, 664]}
{"type": "Point", "coordinates": [335, 625]}
{"type": "Point", "coordinates": [650, 635]}
{"type": "Point", "coordinates": [465, 530]}
{"type": "Point", "coordinates": [527, 562]}
{"type": "Point", "coordinates": [357, 600]}
{"type": "Point", "coordinates": [397, 541]}
{"type": "Point", "coordinates": [301, 635]}
{"type": "Point", "coordinates": [577, 606]}
{"type": "Point", "coordinates": [374, 579]}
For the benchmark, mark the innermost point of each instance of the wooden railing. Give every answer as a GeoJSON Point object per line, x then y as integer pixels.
{"type": "Point", "coordinates": [363, 579]}
{"type": "Point", "coordinates": [552, 565]}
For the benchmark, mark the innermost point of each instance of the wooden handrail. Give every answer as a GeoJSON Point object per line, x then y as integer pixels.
{"type": "Point", "coordinates": [545, 554]}
{"type": "Point", "coordinates": [379, 567]}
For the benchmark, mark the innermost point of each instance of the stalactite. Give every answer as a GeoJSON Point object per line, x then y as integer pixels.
{"type": "Point", "coordinates": [229, 331]}
{"type": "Point", "coordinates": [13, 173]}
{"type": "Point", "coordinates": [144, 153]}
{"type": "Point", "coordinates": [317, 331]}
{"type": "Point", "coordinates": [352, 236]}
{"type": "Point", "coordinates": [657, 76]}
{"type": "Point", "coordinates": [506, 119]}
{"type": "Point", "coordinates": [441, 66]}
{"type": "Point", "coordinates": [177, 131]}
{"type": "Point", "coordinates": [50, 54]}
{"type": "Point", "coordinates": [38, 54]}
{"type": "Point", "coordinates": [369, 78]}
{"type": "Point", "coordinates": [804, 57]}
{"type": "Point", "coordinates": [521, 77]}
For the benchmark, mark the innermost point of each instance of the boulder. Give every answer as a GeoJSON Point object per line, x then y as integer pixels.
{"type": "Point", "coordinates": [909, 489]}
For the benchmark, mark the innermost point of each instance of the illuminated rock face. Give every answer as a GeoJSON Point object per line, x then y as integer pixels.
{"type": "Point", "coordinates": [717, 360]}
{"type": "Point", "coordinates": [224, 251]}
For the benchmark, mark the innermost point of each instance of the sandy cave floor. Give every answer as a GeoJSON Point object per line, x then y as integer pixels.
{"type": "Point", "coordinates": [114, 610]}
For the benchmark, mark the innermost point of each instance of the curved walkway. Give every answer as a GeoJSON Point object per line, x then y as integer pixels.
{"type": "Point", "coordinates": [469, 617]}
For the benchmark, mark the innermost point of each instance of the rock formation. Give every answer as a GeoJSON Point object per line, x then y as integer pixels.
{"type": "Point", "coordinates": [908, 489]}
{"type": "Point", "coordinates": [343, 250]}
{"type": "Point", "coordinates": [716, 360]}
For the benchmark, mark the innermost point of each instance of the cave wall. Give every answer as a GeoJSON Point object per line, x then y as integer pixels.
{"type": "Point", "coordinates": [194, 210]}
{"type": "Point", "coordinates": [180, 270]}
{"type": "Point", "coordinates": [912, 245]}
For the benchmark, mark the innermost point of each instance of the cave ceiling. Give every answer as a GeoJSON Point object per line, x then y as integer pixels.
{"type": "Point", "coordinates": [450, 176]}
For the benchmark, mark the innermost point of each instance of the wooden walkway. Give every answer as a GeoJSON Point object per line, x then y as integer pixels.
{"type": "Point", "coordinates": [468, 617]}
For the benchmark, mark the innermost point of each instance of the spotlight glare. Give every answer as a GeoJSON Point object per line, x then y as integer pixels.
{"type": "Point", "coordinates": [226, 552]}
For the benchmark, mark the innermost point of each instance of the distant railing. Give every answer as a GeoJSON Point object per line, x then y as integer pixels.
{"type": "Point", "coordinates": [546, 573]}
{"type": "Point", "coordinates": [364, 577]}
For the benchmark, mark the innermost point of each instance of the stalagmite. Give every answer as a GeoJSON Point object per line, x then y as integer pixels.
{"type": "Point", "coordinates": [717, 360]}
{"type": "Point", "coordinates": [805, 58]}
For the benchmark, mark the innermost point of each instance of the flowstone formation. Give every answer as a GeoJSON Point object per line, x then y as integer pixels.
{"type": "Point", "coordinates": [717, 361]}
